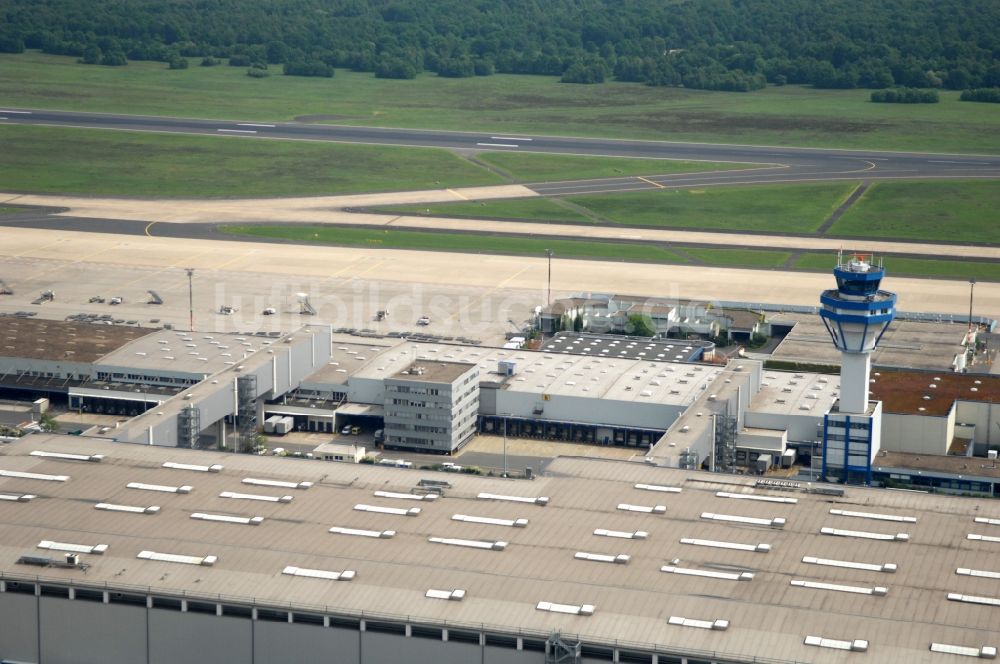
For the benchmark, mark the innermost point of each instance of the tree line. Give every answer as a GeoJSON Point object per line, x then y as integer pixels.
{"type": "Point", "coordinates": [706, 44]}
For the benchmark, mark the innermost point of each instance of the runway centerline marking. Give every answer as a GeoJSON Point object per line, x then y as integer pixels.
{"type": "Point", "coordinates": [482, 297]}
{"type": "Point", "coordinates": [172, 266]}
{"type": "Point", "coordinates": [655, 184]}
{"type": "Point", "coordinates": [38, 248]}
{"type": "Point", "coordinates": [508, 138]}
{"type": "Point", "coordinates": [251, 124]}
{"type": "Point", "coordinates": [497, 145]}
{"type": "Point", "coordinates": [233, 260]}
{"type": "Point", "coordinates": [16, 112]}
{"type": "Point", "coordinates": [370, 268]}
{"type": "Point", "coordinates": [81, 260]}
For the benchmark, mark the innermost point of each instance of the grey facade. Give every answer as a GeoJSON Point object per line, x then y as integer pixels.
{"type": "Point", "coordinates": [54, 623]}
{"type": "Point", "coordinates": [276, 370]}
{"type": "Point", "coordinates": [432, 406]}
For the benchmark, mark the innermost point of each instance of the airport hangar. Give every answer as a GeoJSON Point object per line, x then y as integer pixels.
{"type": "Point", "coordinates": [111, 552]}
{"type": "Point", "coordinates": [183, 388]}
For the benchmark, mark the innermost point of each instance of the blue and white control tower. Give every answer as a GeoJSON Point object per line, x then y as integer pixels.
{"type": "Point", "coordinates": [856, 314]}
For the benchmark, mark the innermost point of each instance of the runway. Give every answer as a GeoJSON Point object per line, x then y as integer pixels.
{"type": "Point", "coordinates": [768, 165]}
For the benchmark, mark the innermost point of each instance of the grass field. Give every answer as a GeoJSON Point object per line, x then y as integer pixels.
{"type": "Point", "coordinates": [757, 258]}
{"type": "Point", "coordinates": [164, 165]}
{"type": "Point", "coordinates": [915, 267]}
{"type": "Point", "coordinates": [533, 209]}
{"type": "Point", "coordinates": [935, 211]}
{"type": "Point", "coordinates": [789, 115]}
{"type": "Point", "coordinates": [528, 167]}
{"type": "Point", "coordinates": [119, 163]}
{"type": "Point", "coordinates": [792, 208]}
{"type": "Point", "coordinates": [466, 243]}
{"type": "Point", "coordinates": [609, 251]}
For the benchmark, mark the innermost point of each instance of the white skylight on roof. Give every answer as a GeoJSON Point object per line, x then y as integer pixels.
{"type": "Point", "coordinates": [159, 487]}
{"type": "Point", "coordinates": [751, 496]}
{"type": "Point", "coordinates": [572, 609]}
{"type": "Point", "coordinates": [736, 546]}
{"type": "Point", "coordinates": [381, 534]}
{"type": "Point", "coordinates": [33, 476]}
{"type": "Point", "coordinates": [861, 534]}
{"type": "Point", "coordinates": [964, 571]}
{"type": "Point", "coordinates": [708, 574]}
{"type": "Point", "coordinates": [973, 599]}
{"type": "Point", "coordinates": [776, 522]}
{"type": "Point", "coordinates": [277, 483]}
{"type": "Point", "coordinates": [859, 590]}
{"type": "Point", "coordinates": [718, 625]}
{"type": "Point", "coordinates": [871, 567]}
{"type": "Point", "coordinates": [658, 487]}
{"type": "Point", "coordinates": [68, 457]}
{"type": "Point", "coordinates": [877, 517]}
{"type": "Point", "coordinates": [651, 509]}
{"type": "Point", "coordinates": [986, 652]}
{"type": "Point", "coordinates": [540, 500]}
{"type": "Point", "coordinates": [456, 595]}
{"type": "Point", "coordinates": [97, 549]}
{"type": "Point", "coordinates": [225, 518]}
{"type": "Point", "coordinates": [397, 511]}
{"type": "Point", "coordinates": [17, 497]}
{"type": "Point", "coordinates": [406, 496]}
{"type": "Point", "coordinates": [214, 468]}
{"type": "Point", "coordinates": [621, 558]}
{"type": "Point", "coordinates": [857, 645]}
{"type": "Point", "coordinates": [253, 496]}
{"type": "Point", "coordinates": [515, 523]}
{"type": "Point", "coordinates": [111, 507]}
{"type": "Point", "coordinates": [990, 522]}
{"type": "Point", "coordinates": [982, 538]}
{"type": "Point", "coordinates": [622, 534]}
{"type": "Point", "coordinates": [472, 544]}
{"type": "Point", "coordinates": [207, 561]}
{"type": "Point", "coordinates": [346, 575]}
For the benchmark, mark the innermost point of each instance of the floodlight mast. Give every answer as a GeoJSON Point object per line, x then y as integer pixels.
{"type": "Point", "coordinates": [190, 274]}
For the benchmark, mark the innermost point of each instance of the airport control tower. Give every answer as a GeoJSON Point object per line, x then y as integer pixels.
{"type": "Point", "coordinates": [856, 315]}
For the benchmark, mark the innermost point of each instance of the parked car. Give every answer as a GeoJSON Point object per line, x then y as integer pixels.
{"type": "Point", "coordinates": [345, 430]}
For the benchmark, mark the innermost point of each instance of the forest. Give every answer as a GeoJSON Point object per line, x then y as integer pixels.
{"type": "Point", "coordinates": [739, 45]}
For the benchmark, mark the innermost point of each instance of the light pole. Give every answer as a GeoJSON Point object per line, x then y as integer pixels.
{"type": "Point", "coordinates": [548, 292]}
{"type": "Point", "coordinates": [972, 288]}
{"type": "Point", "coordinates": [505, 445]}
{"type": "Point", "coordinates": [190, 274]}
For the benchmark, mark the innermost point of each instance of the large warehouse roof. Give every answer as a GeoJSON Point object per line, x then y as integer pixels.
{"type": "Point", "coordinates": [557, 373]}
{"type": "Point", "coordinates": [59, 340]}
{"type": "Point", "coordinates": [187, 352]}
{"type": "Point", "coordinates": [930, 393]}
{"type": "Point", "coordinates": [804, 583]}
